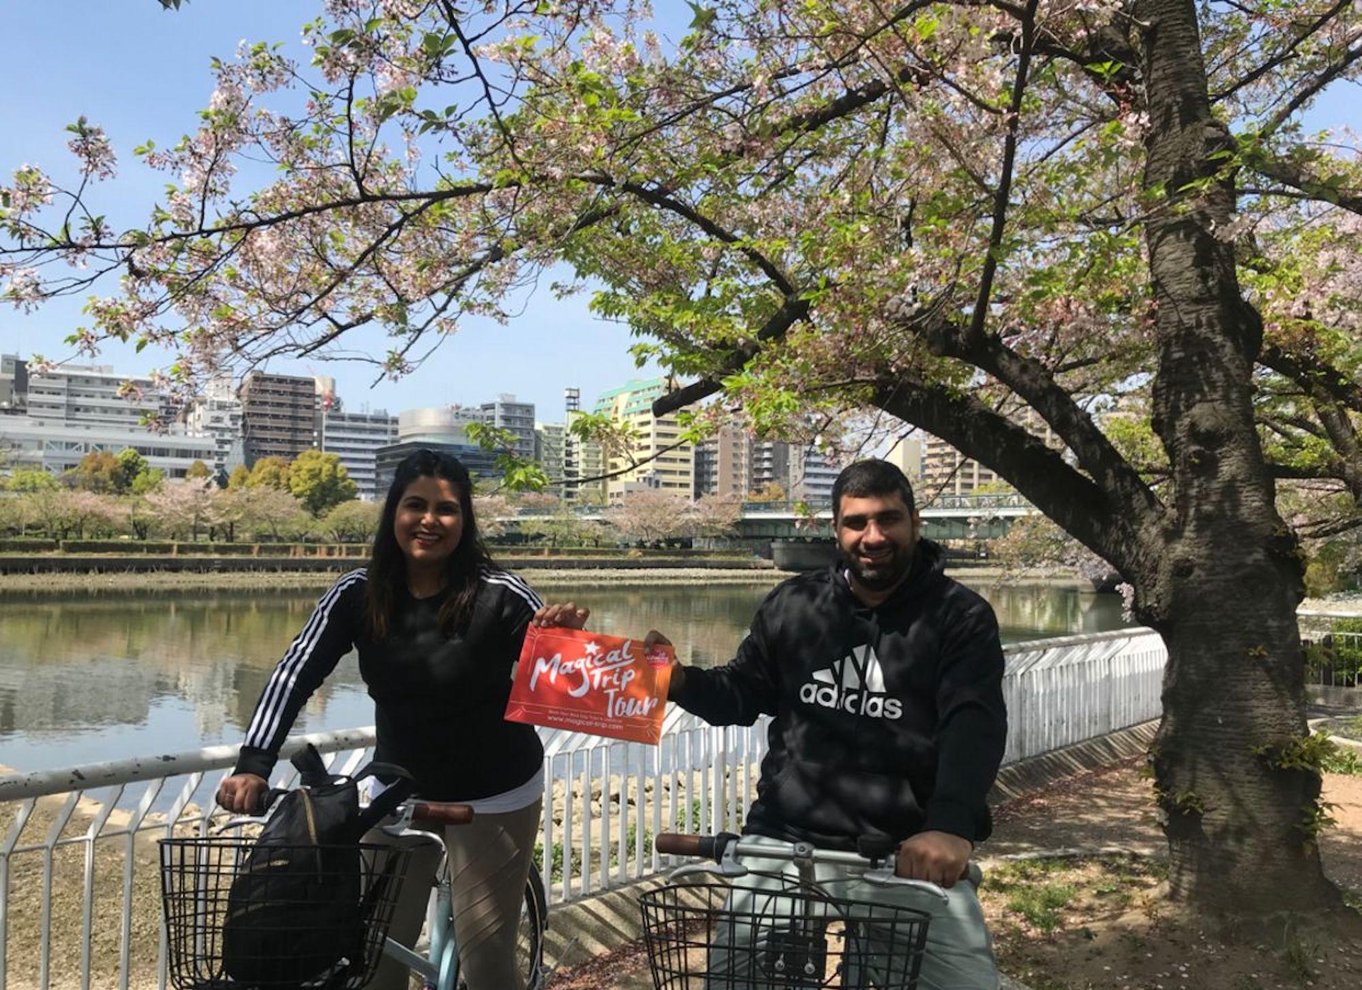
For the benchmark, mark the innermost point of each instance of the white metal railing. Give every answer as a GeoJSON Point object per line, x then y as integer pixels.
{"type": "Point", "coordinates": [79, 901]}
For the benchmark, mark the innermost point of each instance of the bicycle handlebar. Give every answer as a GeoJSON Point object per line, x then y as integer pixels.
{"type": "Point", "coordinates": [729, 849]}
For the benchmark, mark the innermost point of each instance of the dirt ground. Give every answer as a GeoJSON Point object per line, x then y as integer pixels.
{"type": "Point", "coordinates": [1078, 921]}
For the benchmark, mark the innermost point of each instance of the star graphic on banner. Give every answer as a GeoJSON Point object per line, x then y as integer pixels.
{"type": "Point", "coordinates": [592, 649]}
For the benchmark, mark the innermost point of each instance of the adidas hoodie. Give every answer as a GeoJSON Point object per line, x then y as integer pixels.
{"type": "Point", "coordinates": [887, 721]}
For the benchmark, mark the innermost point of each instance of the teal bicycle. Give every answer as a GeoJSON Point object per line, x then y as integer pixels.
{"type": "Point", "coordinates": [197, 875]}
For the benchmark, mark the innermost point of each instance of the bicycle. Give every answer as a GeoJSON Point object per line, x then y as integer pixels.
{"type": "Point", "coordinates": [760, 929]}
{"type": "Point", "coordinates": [197, 874]}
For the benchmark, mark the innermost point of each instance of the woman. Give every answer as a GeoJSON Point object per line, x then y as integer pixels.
{"type": "Point", "coordinates": [437, 628]}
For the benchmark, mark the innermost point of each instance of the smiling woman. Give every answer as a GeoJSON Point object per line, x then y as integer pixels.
{"type": "Point", "coordinates": [437, 627]}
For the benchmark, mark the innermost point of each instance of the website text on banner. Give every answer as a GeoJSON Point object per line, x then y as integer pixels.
{"type": "Point", "coordinates": [589, 682]}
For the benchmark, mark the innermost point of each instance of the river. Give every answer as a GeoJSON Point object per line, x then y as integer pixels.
{"type": "Point", "coordinates": [90, 677]}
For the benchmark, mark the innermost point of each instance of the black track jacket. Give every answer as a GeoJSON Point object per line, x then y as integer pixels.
{"type": "Point", "coordinates": [438, 699]}
{"type": "Point", "coordinates": [888, 720]}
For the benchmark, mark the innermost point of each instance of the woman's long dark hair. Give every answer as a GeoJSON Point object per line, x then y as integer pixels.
{"type": "Point", "coordinates": [388, 566]}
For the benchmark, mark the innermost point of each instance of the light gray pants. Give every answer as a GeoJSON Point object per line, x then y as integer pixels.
{"type": "Point", "coordinates": [489, 863]}
{"type": "Point", "coordinates": [959, 951]}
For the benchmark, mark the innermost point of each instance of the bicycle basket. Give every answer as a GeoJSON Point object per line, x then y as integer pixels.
{"type": "Point", "coordinates": [768, 932]}
{"type": "Point", "coordinates": [289, 939]}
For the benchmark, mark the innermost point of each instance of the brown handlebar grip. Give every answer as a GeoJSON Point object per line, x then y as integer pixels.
{"type": "Point", "coordinates": [674, 844]}
{"type": "Point", "coordinates": [432, 813]}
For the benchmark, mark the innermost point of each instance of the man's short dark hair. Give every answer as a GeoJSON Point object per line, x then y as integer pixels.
{"type": "Point", "coordinates": [866, 479]}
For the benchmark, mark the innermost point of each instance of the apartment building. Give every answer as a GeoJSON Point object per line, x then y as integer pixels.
{"type": "Point", "coordinates": [279, 415]}
{"type": "Point", "coordinates": [657, 458]}
{"type": "Point", "coordinates": [356, 438]}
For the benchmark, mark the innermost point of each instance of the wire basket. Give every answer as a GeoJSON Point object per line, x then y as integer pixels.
{"type": "Point", "coordinates": [769, 932]}
{"type": "Point", "coordinates": [241, 916]}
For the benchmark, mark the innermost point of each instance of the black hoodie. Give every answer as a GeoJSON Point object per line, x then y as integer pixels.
{"type": "Point", "coordinates": [888, 720]}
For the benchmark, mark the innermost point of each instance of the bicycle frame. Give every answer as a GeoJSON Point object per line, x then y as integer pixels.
{"type": "Point", "coordinates": [438, 966]}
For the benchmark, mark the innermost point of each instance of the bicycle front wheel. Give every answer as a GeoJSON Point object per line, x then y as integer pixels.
{"type": "Point", "coordinates": [529, 943]}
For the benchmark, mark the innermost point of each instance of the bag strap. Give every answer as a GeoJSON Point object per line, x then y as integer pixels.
{"type": "Point", "coordinates": [311, 767]}
{"type": "Point", "coordinates": [401, 787]}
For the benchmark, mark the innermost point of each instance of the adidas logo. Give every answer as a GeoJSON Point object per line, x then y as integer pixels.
{"type": "Point", "coordinates": [853, 684]}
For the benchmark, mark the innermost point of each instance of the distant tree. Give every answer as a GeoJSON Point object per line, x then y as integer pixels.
{"type": "Point", "coordinates": [493, 512]}
{"type": "Point", "coordinates": [92, 514]}
{"type": "Point", "coordinates": [320, 481]}
{"type": "Point", "coordinates": [131, 467]}
{"type": "Point", "coordinates": [716, 515]}
{"type": "Point", "coordinates": [649, 516]}
{"type": "Point", "coordinates": [1034, 542]}
{"type": "Point", "coordinates": [182, 506]}
{"type": "Point", "coordinates": [770, 492]}
{"type": "Point", "coordinates": [48, 509]}
{"type": "Point", "coordinates": [31, 480]}
{"type": "Point", "coordinates": [141, 516]}
{"type": "Point", "coordinates": [271, 511]}
{"type": "Point", "coordinates": [240, 477]}
{"type": "Point", "coordinates": [227, 509]}
{"type": "Point", "coordinates": [562, 528]}
{"type": "Point", "coordinates": [198, 470]}
{"type": "Point", "coordinates": [98, 471]}
{"type": "Point", "coordinates": [147, 481]}
{"type": "Point", "coordinates": [269, 472]}
{"type": "Point", "coordinates": [352, 522]}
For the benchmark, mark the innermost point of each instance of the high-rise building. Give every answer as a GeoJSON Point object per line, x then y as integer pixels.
{"type": "Point", "coordinates": [516, 417]}
{"type": "Point", "coordinates": [279, 415]}
{"type": "Point", "coordinates": [549, 448]}
{"type": "Point", "coordinates": [812, 474]}
{"type": "Point", "coordinates": [583, 460]}
{"type": "Point", "coordinates": [659, 459]}
{"type": "Point", "coordinates": [356, 438]}
{"type": "Point", "coordinates": [771, 460]}
{"type": "Point", "coordinates": [723, 462]}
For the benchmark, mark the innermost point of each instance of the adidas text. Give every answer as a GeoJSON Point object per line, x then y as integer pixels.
{"type": "Point", "coordinates": [855, 702]}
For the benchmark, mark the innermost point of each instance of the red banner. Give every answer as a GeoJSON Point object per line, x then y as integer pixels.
{"type": "Point", "coordinates": [588, 682]}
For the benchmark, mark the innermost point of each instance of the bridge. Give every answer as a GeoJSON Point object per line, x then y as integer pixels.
{"type": "Point", "coordinates": [946, 517]}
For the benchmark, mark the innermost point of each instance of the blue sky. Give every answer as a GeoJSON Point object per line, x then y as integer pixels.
{"type": "Point", "coordinates": [141, 72]}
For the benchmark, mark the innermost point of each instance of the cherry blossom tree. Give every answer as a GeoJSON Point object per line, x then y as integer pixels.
{"type": "Point", "coordinates": [183, 507]}
{"type": "Point", "coordinates": [650, 515]}
{"type": "Point", "coordinates": [352, 522]}
{"type": "Point", "coordinates": [970, 216]}
{"type": "Point", "coordinates": [715, 515]}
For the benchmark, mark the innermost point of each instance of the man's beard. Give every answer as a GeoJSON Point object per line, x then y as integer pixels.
{"type": "Point", "coordinates": [884, 575]}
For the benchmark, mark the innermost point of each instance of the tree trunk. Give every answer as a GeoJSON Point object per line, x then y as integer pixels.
{"type": "Point", "coordinates": [1221, 580]}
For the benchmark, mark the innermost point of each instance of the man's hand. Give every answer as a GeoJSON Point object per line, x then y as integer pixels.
{"type": "Point", "coordinates": [937, 857]}
{"type": "Point", "coordinates": [562, 614]}
{"type": "Point", "coordinates": [678, 674]}
{"type": "Point", "coordinates": [243, 793]}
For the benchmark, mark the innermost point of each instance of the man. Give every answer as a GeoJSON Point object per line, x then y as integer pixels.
{"type": "Point", "coordinates": [884, 678]}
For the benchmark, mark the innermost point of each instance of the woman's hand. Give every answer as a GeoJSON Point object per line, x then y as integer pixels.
{"type": "Point", "coordinates": [562, 614]}
{"type": "Point", "coordinates": [243, 793]}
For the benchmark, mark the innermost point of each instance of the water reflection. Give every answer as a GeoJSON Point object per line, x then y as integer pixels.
{"type": "Point", "coordinates": [99, 677]}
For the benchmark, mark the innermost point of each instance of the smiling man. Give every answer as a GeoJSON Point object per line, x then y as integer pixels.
{"type": "Point", "coordinates": [884, 677]}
